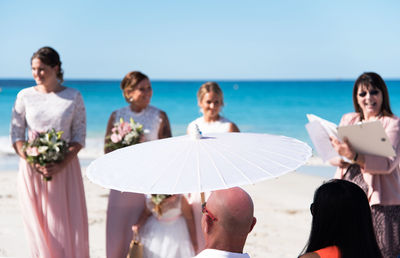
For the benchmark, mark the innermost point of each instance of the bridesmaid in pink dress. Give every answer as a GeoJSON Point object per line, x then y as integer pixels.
{"type": "Point", "coordinates": [54, 212]}
{"type": "Point", "coordinates": [210, 100]}
{"type": "Point", "coordinates": [125, 208]}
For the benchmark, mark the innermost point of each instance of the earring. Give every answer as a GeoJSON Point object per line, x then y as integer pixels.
{"type": "Point", "coordinates": [130, 99]}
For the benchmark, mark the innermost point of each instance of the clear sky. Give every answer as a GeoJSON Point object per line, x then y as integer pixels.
{"type": "Point", "coordinates": [210, 39]}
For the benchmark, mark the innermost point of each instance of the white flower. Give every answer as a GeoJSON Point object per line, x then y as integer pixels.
{"type": "Point", "coordinates": [43, 149]}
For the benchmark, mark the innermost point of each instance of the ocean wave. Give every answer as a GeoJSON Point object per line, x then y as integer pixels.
{"type": "Point", "coordinates": [5, 146]}
{"type": "Point", "coordinates": [317, 161]}
{"type": "Point", "coordinates": [92, 150]}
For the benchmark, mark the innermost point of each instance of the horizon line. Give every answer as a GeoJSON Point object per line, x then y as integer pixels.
{"type": "Point", "coordinates": [212, 79]}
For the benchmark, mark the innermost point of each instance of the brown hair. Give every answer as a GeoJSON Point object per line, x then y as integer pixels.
{"type": "Point", "coordinates": [50, 57]}
{"type": "Point", "coordinates": [131, 80]}
{"type": "Point", "coordinates": [210, 87]}
{"type": "Point", "coordinates": [373, 80]}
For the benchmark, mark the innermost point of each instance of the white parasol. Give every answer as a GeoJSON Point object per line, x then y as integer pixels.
{"type": "Point", "coordinates": [187, 164]}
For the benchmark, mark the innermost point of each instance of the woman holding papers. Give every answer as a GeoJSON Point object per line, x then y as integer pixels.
{"type": "Point", "coordinates": [378, 176]}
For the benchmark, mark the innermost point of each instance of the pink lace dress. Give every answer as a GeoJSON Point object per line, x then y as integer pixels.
{"type": "Point", "coordinates": [125, 208]}
{"type": "Point", "coordinates": [54, 212]}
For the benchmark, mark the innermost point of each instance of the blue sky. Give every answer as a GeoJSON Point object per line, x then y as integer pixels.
{"type": "Point", "coordinates": [217, 39]}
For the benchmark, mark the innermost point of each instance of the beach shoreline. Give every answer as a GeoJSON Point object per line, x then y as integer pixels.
{"type": "Point", "coordinates": [281, 208]}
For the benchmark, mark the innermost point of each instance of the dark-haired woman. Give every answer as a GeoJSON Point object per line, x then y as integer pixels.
{"type": "Point", "coordinates": [125, 208]}
{"type": "Point", "coordinates": [54, 212]}
{"type": "Point", "coordinates": [342, 224]}
{"type": "Point", "coordinates": [378, 176]}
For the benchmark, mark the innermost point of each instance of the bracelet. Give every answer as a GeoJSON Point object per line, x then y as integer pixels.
{"type": "Point", "coordinates": [355, 158]}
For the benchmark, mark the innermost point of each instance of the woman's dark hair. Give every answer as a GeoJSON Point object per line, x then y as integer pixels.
{"type": "Point", "coordinates": [50, 57]}
{"type": "Point", "coordinates": [131, 80]}
{"type": "Point", "coordinates": [342, 218]}
{"type": "Point", "coordinates": [372, 80]}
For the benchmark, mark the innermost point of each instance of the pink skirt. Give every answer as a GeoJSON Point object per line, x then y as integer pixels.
{"type": "Point", "coordinates": [54, 212]}
{"type": "Point", "coordinates": [123, 211]}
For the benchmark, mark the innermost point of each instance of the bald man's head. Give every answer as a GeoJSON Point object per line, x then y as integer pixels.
{"type": "Point", "coordinates": [234, 210]}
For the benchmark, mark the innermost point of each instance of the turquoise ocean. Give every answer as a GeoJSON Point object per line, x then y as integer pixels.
{"type": "Point", "coordinates": [273, 107]}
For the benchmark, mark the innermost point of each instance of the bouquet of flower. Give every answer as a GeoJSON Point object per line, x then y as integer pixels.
{"type": "Point", "coordinates": [45, 148]}
{"type": "Point", "coordinates": [157, 199]}
{"type": "Point", "coordinates": [124, 134]}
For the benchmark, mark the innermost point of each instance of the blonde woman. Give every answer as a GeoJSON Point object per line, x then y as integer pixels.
{"type": "Point", "coordinates": [210, 100]}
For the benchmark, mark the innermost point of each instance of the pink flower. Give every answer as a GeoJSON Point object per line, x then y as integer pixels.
{"type": "Point", "coordinates": [116, 138]}
{"type": "Point", "coordinates": [32, 151]}
{"type": "Point", "coordinates": [124, 128]}
{"type": "Point", "coordinates": [32, 135]}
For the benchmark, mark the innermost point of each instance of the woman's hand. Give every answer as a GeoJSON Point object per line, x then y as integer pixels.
{"type": "Point", "coordinates": [53, 168]}
{"type": "Point", "coordinates": [339, 162]}
{"type": "Point", "coordinates": [344, 148]}
{"type": "Point", "coordinates": [50, 169]}
{"type": "Point", "coordinates": [142, 138]}
{"type": "Point", "coordinates": [38, 168]}
{"type": "Point", "coordinates": [136, 228]}
{"type": "Point", "coordinates": [19, 149]}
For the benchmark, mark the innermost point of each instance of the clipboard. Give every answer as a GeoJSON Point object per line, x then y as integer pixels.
{"type": "Point", "coordinates": [365, 138]}
{"type": "Point", "coordinates": [368, 138]}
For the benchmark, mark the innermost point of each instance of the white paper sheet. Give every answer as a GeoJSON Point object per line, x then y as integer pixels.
{"type": "Point", "coordinates": [320, 138]}
{"type": "Point", "coordinates": [330, 128]}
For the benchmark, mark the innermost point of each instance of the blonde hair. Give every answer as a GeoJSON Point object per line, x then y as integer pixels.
{"type": "Point", "coordinates": [210, 87]}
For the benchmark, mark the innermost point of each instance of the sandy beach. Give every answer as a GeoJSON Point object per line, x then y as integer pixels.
{"type": "Point", "coordinates": [281, 208]}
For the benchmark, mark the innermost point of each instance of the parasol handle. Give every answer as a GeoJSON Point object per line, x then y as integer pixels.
{"type": "Point", "coordinates": [203, 198]}
{"type": "Point", "coordinates": [195, 132]}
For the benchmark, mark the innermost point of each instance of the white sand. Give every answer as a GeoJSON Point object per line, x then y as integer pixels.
{"type": "Point", "coordinates": [281, 208]}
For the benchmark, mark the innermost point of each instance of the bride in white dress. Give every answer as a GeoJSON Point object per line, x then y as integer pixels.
{"type": "Point", "coordinates": [210, 100]}
{"type": "Point", "coordinates": [167, 231]}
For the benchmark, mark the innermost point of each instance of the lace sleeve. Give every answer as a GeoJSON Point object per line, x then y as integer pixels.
{"type": "Point", "coordinates": [18, 120]}
{"type": "Point", "coordinates": [78, 127]}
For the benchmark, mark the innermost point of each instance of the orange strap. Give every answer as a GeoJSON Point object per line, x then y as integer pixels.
{"type": "Point", "coordinates": [329, 252]}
